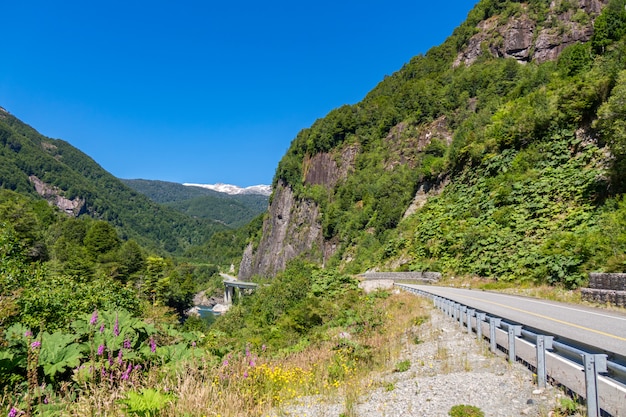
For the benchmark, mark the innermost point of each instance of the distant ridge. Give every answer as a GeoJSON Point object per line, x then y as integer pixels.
{"type": "Point", "coordinates": [232, 210]}
{"type": "Point", "coordinates": [265, 190]}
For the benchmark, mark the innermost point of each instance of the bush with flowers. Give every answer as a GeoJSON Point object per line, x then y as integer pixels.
{"type": "Point", "coordinates": [110, 348]}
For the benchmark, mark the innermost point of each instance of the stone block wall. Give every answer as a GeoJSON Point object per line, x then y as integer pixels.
{"type": "Point", "coordinates": [606, 288]}
{"type": "Point", "coordinates": [606, 281]}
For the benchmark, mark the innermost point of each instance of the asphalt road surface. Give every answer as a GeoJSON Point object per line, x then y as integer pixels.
{"type": "Point", "coordinates": [603, 329]}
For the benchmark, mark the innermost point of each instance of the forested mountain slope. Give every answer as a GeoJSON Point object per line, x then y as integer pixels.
{"type": "Point", "coordinates": [53, 169]}
{"type": "Point", "coordinates": [499, 153]}
{"type": "Point", "coordinates": [230, 210]}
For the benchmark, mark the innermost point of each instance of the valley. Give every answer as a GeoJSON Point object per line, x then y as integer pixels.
{"type": "Point", "coordinates": [497, 156]}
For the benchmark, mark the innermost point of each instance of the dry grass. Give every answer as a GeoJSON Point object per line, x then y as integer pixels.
{"type": "Point", "coordinates": [255, 384]}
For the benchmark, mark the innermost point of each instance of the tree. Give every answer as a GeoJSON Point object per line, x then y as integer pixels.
{"type": "Point", "coordinates": [101, 238]}
{"type": "Point", "coordinates": [609, 26]}
{"type": "Point", "coordinates": [131, 259]}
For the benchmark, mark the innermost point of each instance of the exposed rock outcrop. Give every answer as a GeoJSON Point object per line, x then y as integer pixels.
{"type": "Point", "coordinates": [327, 169]}
{"type": "Point", "coordinates": [406, 142]}
{"type": "Point", "coordinates": [424, 192]}
{"type": "Point", "coordinates": [54, 195]}
{"type": "Point", "coordinates": [523, 39]}
{"type": "Point", "coordinates": [290, 229]}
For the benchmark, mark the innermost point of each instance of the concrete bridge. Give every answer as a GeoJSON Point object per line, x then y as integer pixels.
{"type": "Point", "coordinates": [230, 283]}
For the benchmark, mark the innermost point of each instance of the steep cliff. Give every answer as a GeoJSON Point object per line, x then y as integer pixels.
{"type": "Point", "coordinates": [293, 226]}
{"type": "Point", "coordinates": [526, 39]}
{"type": "Point", "coordinates": [491, 107]}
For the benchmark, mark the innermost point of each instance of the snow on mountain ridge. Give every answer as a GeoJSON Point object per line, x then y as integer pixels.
{"type": "Point", "coordinates": [233, 189]}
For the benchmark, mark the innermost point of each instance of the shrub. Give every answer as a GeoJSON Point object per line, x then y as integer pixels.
{"type": "Point", "coordinates": [463, 410]}
{"type": "Point", "coordinates": [402, 366]}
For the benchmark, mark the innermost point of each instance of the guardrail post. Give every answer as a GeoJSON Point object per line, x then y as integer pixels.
{"type": "Point", "coordinates": [493, 323]}
{"type": "Point", "coordinates": [514, 330]}
{"type": "Point", "coordinates": [462, 310]}
{"type": "Point", "coordinates": [470, 314]}
{"type": "Point", "coordinates": [480, 317]}
{"type": "Point", "coordinates": [594, 363]}
{"type": "Point", "coordinates": [543, 343]}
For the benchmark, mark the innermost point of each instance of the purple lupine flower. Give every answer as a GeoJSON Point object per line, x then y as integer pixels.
{"type": "Point", "coordinates": [245, 374]}
{"type": "Point", "coordinates": [137, 367]}
{"type": "Point", "coordinates": [252, 363]}
{"type": "Point", "coordinates": [152, 345]}
{"type": "Point", "coordinates": [127, 344]}
{"type": "Point", "coordinates": [94, 317]}
{"type": "Point", "coordinates": [100, 350]}
{"type": "Point", "coordinates": [110, 359]}
{"type": "Point", "coordinates": [14, 412]}
{"type": "Point", "coordinates": [119, 357]}
{"type": "Point", "coordinates": [116, 327]}
{"type": "Point", "coordinates": [225, 363]}
{"type": "Point", "coordinates": [28, 334]}
{"type": "Point", "coordinates": [102, 328]}
{"type": "Point", "coordinates": [248, 351]}
{"type": "Point", "coordinates": [35, 344]}
{"type": "Point", "coordinates": [103, 372]}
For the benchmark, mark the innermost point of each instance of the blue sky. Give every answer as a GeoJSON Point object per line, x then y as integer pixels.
{"type": "Point", "coordinates": [202, 91]}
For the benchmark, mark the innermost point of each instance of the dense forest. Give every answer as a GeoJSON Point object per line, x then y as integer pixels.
{"type": "Point", "coordinates": [231, 210]}
{"type": "Point", "coordinates": [522, 167]}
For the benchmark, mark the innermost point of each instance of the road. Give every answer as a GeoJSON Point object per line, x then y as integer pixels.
{"type": "Point", "coordinates": [591, 326]}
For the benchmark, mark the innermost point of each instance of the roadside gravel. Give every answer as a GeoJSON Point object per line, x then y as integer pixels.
{"type": "Point", "coordinates": [448, 367]}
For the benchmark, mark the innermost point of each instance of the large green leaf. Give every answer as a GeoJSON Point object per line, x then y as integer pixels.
{"type": "Point", "coordinates": [59, 352]}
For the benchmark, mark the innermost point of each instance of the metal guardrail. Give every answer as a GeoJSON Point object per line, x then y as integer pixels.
{"type": "Point", "coordinates": [590, 375]}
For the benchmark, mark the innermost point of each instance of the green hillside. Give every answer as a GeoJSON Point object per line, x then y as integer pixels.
{"type": "Point", "coordinates": [64, 171]}
{"type": "Point", "coordinates": [230, 210]}
{"type": "Point", "coordinates": [529, 156]}
{"type": "Point", "coordinates": [167, 192]}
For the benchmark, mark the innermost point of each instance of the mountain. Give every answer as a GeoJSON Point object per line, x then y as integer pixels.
{"type": "Point", "coordinates": [231, 209]}
{"type": "Point", "coordinates": [265, 190]}
{"type": "Point", "coordinates": [499, 153]}
{"type": "Point", "coordinates": [54, 170]}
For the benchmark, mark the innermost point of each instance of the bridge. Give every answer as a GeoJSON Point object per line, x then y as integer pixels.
{"type": "Point", "coordinates": [230, 283]}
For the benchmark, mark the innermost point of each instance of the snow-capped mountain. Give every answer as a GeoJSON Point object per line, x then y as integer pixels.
{"type": "Point", "coordinates": [233, 189]}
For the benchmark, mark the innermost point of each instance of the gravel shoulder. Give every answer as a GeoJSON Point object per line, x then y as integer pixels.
{"type": "Point", "coordinates": [448, 367]}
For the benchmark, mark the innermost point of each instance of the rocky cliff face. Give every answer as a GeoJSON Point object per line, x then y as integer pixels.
{"type": "Point", "coordinates": [525, 40]}
{"type": "Point", "coordinates": [55, 197]}
{"type": "Point", "coordinates": [292, 227]}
